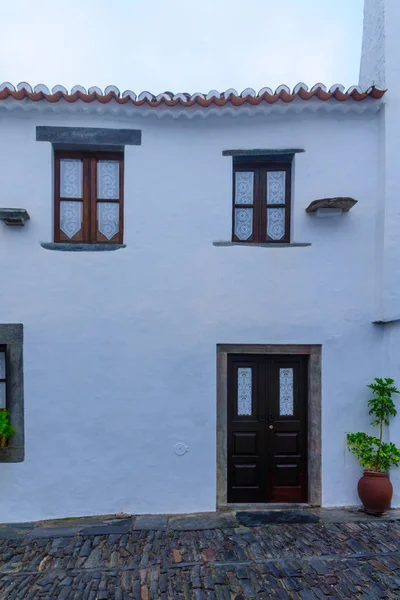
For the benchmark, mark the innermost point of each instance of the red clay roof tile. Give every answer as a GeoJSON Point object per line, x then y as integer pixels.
{"type": "Point", "coordinates": [248, 96]}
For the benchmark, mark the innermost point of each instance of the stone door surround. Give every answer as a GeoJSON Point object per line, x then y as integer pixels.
{"type": "Point", "coordinates": [313, 351]}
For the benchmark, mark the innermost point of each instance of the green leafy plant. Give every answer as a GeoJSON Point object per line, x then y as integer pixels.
{"type": "Point", "coordinates": [372, 452]}
{"type": "Point", "coordinates": [6, 430]}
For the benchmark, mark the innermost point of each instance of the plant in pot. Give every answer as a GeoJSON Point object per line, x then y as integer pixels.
{"type": "Point", "coordinates": [376, 456]}
{"type": "Point", "coordinates": [6, 430]}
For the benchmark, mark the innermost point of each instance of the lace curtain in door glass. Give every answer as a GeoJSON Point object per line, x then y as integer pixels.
{"type": "Point", "coordinates": [244, 391]}
{"type": "Point", "coordinates": [286, 392]}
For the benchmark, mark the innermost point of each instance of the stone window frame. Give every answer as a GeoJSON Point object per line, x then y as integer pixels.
{"type": "Point", "coordinates": [11, 336]}
{"type": "Point", "coordinates": [88, 140]}
{"type": "Point", "coordinates": [314, 414]}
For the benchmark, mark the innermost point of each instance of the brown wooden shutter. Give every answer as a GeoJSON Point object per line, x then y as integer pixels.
{"type": "Point", "coordinates": [88, 197]}
{"type": "Point", "coordinates": [107, 199]}
{"type": "Point", "coordinates": [261, 202]}
{"type": "Point", "coordinates": [71, 197]}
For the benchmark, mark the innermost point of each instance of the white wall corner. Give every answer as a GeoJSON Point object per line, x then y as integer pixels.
{"type": "Point", "coordinates": [380, 66]}
{"type": "Point", "coordinates": [373, 63]}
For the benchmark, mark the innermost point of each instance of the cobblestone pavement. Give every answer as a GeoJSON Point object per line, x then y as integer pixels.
{"type": "Point", "coordinates": [125, 559]}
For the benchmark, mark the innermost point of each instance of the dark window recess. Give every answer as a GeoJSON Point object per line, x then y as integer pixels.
{"type": "Point", "coordinates": [88, 197]}
{"type": "Point", "coordinates": [12, 388]}
{"type": "Point", "coordinates": [261, 202]}
{"type": "Point", "coordinates": [3, 378]}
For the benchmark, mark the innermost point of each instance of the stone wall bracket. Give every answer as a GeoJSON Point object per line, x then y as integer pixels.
{"type": "Point", "coordinates": [330, 207]}
{"type": "Point", "coordinates": [15, 217]}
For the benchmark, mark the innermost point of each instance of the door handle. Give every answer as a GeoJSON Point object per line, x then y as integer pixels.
{"type": "Point", "coordinates": [261, 417]}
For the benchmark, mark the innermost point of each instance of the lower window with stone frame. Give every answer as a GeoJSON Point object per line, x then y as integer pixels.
{"type": "Point", "coordinates": [12, 389]}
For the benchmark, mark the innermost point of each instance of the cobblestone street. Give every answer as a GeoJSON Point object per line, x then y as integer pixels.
{"type": "Point", "coordinates": [178, 559]}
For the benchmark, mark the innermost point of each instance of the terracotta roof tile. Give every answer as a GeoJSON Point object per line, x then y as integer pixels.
{"type": "Point", "coordinates": [214, 98]}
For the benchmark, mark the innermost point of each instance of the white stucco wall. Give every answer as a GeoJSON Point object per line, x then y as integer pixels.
{"type": "Point", "coordinates": [120, 347]}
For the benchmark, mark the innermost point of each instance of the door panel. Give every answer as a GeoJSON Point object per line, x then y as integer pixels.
{"type": "Point", "coordinates": [287, 429]}
{"type": "Point", "coordinates": [246, 431]}
{"type": "Point", "coordinates": [286, 443]}
{"type": "Point", "coordinates": [245, 475]}
{"type": "Point", "coordinates": [267, 428]}
{"type": "Point", "coordinates": [245, 444]}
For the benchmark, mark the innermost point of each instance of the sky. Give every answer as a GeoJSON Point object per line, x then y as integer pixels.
{"type": "Point", "coordinates": [180, 45]}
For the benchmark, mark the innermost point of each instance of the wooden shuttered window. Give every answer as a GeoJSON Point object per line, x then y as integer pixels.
{"type": "Point", "coordinates": [88, 194]}
{"type": "Point", "coordinates": [261, 202]}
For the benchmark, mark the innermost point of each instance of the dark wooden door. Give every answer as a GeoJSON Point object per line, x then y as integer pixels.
{"type": "Point", "coordinates": [267, 428]}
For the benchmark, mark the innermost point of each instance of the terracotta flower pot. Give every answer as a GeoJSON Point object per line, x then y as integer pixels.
{"type": "Point", "coordinates": [375, 491]}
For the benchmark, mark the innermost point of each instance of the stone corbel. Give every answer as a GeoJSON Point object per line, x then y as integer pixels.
{"type": "Point", "coordinates": [14, 216]}
{"type": "Point", "coordinates": [330, 207]}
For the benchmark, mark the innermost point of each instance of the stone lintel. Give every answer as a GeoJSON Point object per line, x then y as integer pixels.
{"type": "Point", "coordinates": [89, 136]}
{"type": "Point", "coordinates": [267, 152]}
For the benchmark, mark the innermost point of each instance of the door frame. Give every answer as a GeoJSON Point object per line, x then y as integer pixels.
{"type": "Point", "coordinates": [314, 426]}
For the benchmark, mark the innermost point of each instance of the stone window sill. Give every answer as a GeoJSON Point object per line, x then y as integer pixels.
{"type": "Point", "coordinates": [266, 245]}
{"type": "Point", "coordinates": [12, 454]}
{"type": "Point", "coordinates": [81, 247]}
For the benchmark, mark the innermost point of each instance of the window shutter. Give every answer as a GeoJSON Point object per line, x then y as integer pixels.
{"type": "Point", "coordinates": [243, 211]}
{"type": "Point", "coordinates": [69, 199]}
{"type": "Point", "coordinates": [88, 197]}
{"type": "Point", "coordinates": [261, 202]}
{"type": "Point", "coordinates": [108, 201]}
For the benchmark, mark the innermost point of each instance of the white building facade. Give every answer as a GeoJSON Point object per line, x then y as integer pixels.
{"type": "Point", "coordinates": [144, 318]}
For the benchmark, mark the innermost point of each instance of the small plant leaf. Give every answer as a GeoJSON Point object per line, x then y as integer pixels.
{"type": "Point", "coordinates": [6, 430]}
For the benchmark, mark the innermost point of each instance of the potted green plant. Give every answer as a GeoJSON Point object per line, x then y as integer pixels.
{"type": "Point", "coordinates": [377, 457]}
{"type": "Point", "coordinates": [6, 430]}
